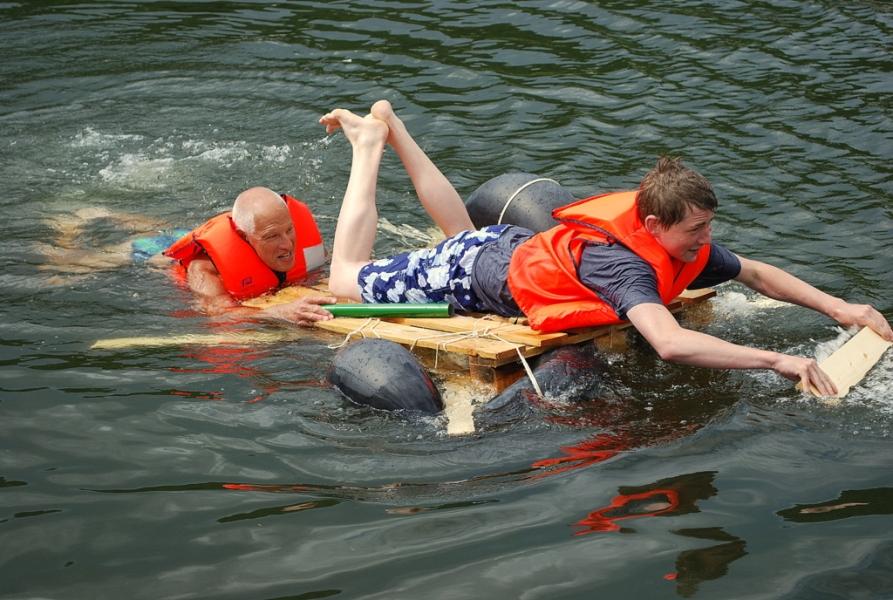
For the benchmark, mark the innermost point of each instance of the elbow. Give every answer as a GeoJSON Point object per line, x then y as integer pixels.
{"type": "Point", "coordinates": [669, 354]}
{"type": "Point", "coordinates": [660, 330]}
{"type": "Point", "coordinates": [666, 349]}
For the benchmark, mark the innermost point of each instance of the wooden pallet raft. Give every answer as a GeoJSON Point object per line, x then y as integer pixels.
{"type": "Point", "coordinates": [489, 347]}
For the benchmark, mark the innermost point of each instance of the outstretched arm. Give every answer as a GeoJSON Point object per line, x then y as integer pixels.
{"type": "Point", "coordinates": [780, 285]}
{"type": "Point", "coordinates": [674, 343]}
{"type": "Point", "coordinates": [204, 281]}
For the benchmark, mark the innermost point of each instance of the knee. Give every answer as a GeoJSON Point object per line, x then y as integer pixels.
{"type": "Point", "coordinates": [343, 282]}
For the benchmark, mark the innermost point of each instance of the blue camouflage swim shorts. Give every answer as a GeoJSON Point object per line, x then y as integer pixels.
{"type": "Point", "coordinates": [439, 274]}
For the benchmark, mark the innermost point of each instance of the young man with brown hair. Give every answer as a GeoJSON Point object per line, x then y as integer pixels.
{"type": "Point", "coordinates": [617, 256]}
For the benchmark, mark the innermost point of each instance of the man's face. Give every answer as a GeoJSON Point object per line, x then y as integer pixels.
{"type": "Point", "coordinates": [274, 238]}
{"type": "Point", "coordinates": [683, 240]}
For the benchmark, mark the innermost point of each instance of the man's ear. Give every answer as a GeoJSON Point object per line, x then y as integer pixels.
{"type": "Point", "coordinates": [653, 225]}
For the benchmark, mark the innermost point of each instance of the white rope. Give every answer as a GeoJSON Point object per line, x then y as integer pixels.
{"type": "Point", "coordinates": [518, 191]}
{"type": "Point", "coordinates": [524, 363]}
{"type": "Point", "coordinates": [370, 321]}
{"type": "Point", "coordinates": [455, 337]}
{"type": "Point", "coordinates": [530, 375]}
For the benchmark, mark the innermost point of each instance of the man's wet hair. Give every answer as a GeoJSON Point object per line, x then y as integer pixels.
{"type": "Point", "coordinates": [670, 190]}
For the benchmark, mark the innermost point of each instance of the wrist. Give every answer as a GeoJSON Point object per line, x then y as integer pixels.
{"type": "Point", "coordinates": [837, 310]}
{"type": "Point", "coordinates": [775, 360]}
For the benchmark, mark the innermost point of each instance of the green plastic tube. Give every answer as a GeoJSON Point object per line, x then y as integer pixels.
{"type": "Point", "coordinates": [441, 309]}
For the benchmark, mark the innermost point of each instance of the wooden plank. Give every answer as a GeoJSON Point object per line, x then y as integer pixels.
{"type": "Point", "coordinates": [850, 363]}
{"type": "Point", "coordinates": [693, 296]}
{"type": "Point", "coordinates": [495, 350]}
{"type": "Point", "coordinates": [511, 332]}
{"type": "Point", "coordinates": [247, 338]}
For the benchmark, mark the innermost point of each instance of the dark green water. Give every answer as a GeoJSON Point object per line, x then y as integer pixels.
{"type": "Point", "coordinates": [223, 472]}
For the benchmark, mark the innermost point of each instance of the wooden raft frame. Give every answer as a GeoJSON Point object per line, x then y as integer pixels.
{"type": "Point", "coordinates": [486, 345]}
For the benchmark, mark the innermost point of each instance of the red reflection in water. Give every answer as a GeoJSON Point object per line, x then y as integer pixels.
{"type": "Point", "coordinates": [250, 487]}
{"type": "Point", "coordinates": [586, 453]}
{"type": "Point", "coordinates": [227, 360]}
{"type": "Point", "coordinates": [652, 503]}
{"type": "Point", "coordinates": [672, 496]}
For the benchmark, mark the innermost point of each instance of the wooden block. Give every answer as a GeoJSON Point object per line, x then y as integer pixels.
{"type": "Point", "coordinates": [499, 377]}
{"type": "Point", "coordinates": [616, 341]}
{"type": "Point", "coordinates": [851, 362]}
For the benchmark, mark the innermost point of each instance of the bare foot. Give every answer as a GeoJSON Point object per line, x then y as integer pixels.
{"type": "Point", "coordinates": [359, 131]}
{"type": "Point", "coordinates": [383, 111]}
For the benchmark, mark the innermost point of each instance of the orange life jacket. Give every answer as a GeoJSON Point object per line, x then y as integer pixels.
{"type": "Point", "coordinates": [243, 273]}
{"type": "Point", "coordinates": [543, 270]}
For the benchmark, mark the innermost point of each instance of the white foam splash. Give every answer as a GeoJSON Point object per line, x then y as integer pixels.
{"type": "Point", "coordinates": [133, 161]}
{"type": "Point", "coordinates": [825, 349]}
{"type": "Point", "coordinates": [740, 304]}
{"type": "Point", "coordinates": [275, 154]}
{"type": "Point", "coordinates": [230, 152]}
{"type": "Point", "coordinates": [137, 170]}
{"type": "Point", "coordinates": [90, 138]}
{"type": "Point", "coordinates": [226, 155]}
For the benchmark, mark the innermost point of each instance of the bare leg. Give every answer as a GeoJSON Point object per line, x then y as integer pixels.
{"type": "Point", "coordinates": [64, 254]}
{"type": "Point", "coordinates": [434, 190]}
{"type": "Point", "coordinates": [358, 219]}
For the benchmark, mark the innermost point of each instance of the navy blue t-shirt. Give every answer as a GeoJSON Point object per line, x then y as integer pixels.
{"type": "Point", "coordinates": [614, 272]}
